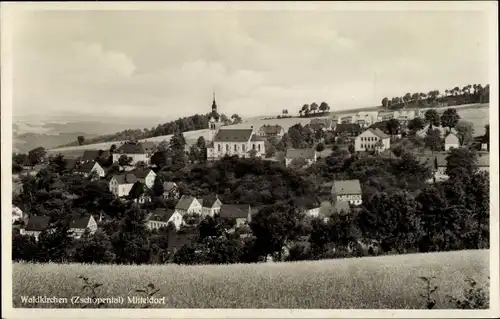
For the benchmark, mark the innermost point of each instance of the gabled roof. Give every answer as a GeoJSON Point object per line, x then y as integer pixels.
{"type": "Point", "coordinates": [451, 138]}
{"type": "Point", "coordinates": [168, 186]}
{"type": "Point", "coordinates": [70, 163]}
{"type": "Point", "coordinates": [271, 129]}
{"type": "Point", "coordinates": [185, 202]}
{"type": "Point", "coordinates": [233, 135]}
{"type": "Point", "coordinates": [256, 138]}
{"type": "Point", "coordinates": [86, 167]}
{"type": "Point", "coordinates": [160, 214]}
{"type": "Point", "coordinates": [379, 133]}
{"type": "Point", "coordinates": [235, 211]}
{"type": "Point", "coordinates": [208, 201]}
{"type": "Point", "coordinates": [346, 187]}
{"type": "Point", "coordinates": [80, 223]}
{"type": "Point", "coordinates": [37, 223]}
{"type": "Point", "coordinates": [136, 148]}
{"type": "Point", "coordinates": [91, 155]}
{"type": "Point", "coordinates": [125, 178]}
{"type": "Point", "coordinates": [141, 173]}
{"type": "Point", "coordinates": [324, 153]}
{"type": "Point", "coordinates": [348, 127]}
{"type": "Point", "coordinates": [295, 153]}
{"type": "Point", "coordinates": [342, 206]}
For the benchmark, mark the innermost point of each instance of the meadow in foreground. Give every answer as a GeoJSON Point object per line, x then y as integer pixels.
{"type": "Point", "coordinates": [370, 282]}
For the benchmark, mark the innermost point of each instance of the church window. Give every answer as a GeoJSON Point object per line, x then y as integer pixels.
{"type": "Point", "coordinates": [227, 147]}
{"type": "Point", "coordinates": [253, 146]}
{"type": "Point", "coordinates": [243, 147]}
{"type": "Point", "coordinates": [235, 147]}
{"type": "Point", "coordinates": [218, 147]}
{"type": "Point", "coordinates": [259, 147]}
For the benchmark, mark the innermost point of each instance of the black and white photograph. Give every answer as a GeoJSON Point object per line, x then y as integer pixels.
{"type": "Point", "coordinates": [294, 159]}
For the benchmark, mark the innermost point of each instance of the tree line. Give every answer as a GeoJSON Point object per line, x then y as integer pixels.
{"type": "Point", "coordinates": [468, 94]}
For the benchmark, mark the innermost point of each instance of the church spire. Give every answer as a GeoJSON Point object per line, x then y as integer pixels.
{"type": "Point", "coordinates": [214, 104]}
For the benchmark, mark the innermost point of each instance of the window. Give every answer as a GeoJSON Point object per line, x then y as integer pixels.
{"type": "Point", "coordinates": [243, 147]}
{"type": "Point", "coordinates": [218, 147]}
{"type": "Point", "coordinates": [253, 146]}
{"type": "Point", "coordinates": [235, 147]}
{"type": "Point", "coordinates": [227, 147]}
{"type": "Point", "coordinates": [259, 147]}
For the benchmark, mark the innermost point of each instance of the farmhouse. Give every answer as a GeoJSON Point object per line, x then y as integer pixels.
{"type": "Point", "coordinates": [451, 141]}
{"type": "Point", "coordinates": [188, 205]}
{"type": "Point", "coordinates": [35, 225]}
{"type": "Point", "coordinates": [93, 155]}
{"type": "Point", "coordinates": [139, 152]}
{"type": "Point", "coordinates": [293, 154]}
{"type": "Point", "coordinates": [145, 176]}
{"type": "Point", "coordinates": [78, 226]}
{"type": "Point", "coordinates": [347, 191]}
{"type": "Point", "coordinates": [88, 168]}
{"type": "Point", "coordinates": [170, 190]}
{"type": "Point", "coordinates": [372, 139]}
{"type": "Point", "coordinates": [162, 217]}
{"type": "Point", "coordinates": [240, 142]}
{"type": "Point", "coordinates": [121, 184]}
{"type": "Point", "coordinates": [324, 124]}
{"type": "Point", "coordinates": [271, 131]}
{"type": "Point", "coordinates": [211, 205]}
{"type": "Point", "coordinates": [242, 214]}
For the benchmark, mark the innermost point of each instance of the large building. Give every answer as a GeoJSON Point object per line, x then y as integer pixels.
{"type": "Point", "coordinates": [243, 142]}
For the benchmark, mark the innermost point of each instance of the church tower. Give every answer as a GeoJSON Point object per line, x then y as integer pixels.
{"type": "Point", "coordinates": [214, 121]}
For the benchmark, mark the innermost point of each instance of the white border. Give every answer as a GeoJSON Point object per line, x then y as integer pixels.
{"type": "Point", "coordinates": [7, 11]}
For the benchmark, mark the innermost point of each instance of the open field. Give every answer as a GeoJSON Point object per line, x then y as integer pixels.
{"type": "Point", "coordinates": [478, 114]}
{"type": "Point", "coordinates": [370, 282]}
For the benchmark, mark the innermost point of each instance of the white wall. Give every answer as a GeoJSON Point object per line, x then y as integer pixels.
{"type": "Point", "coordinates": [242, 149]}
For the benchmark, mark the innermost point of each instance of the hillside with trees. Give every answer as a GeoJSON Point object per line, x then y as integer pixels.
{"type": "Point", "coordinates": [468, 94]}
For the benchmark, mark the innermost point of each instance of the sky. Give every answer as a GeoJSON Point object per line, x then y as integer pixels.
{"type": "Point", "coordinates": [149, 63]}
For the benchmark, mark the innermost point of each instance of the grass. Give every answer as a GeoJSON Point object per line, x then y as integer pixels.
{"type": "Point", "coordinates": [372, 282]}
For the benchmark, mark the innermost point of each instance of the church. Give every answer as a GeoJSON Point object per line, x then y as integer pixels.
{"type": "Point", "coordinates": [243, 142]}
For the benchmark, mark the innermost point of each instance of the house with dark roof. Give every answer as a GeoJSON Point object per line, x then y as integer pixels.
{"type": "Point", "coordinates": [437, 164]}
{"type": "Point", "coordinates": [241, 142]}
{"type": "Point", "coordinates": [324, 124]}
{"type": "Point", "coordinates": [145, 175]}
{"type": "Point", "coordinates": [211, 205]}
{"type": "Point", "coordinates": [241, 213]}
{"type": "Point", "coordinates": [88, 168]}
{"type": "Point", "coordinates": [347, 191]}
{"type": "Point", "coordinates": [138, 151]}
{"type": "Point", "coordinates": [309, 155]}
{"type": "Point", "coordinates": [170, 190]}
{"type": "Point", "coordinates": [93, 155]}
{"type": "Point", "coordinates": [35, 225]}
{"type": "Point", "coordinates": [326, 209]}
{"type": "Point", "coordinates": [347, 130]}
{"type": "Point", "coordinates": [121, 184]}
{"type": "Point", "coordinates": [161, 217]}
{"type": "Point", "coordinates": [188, 205]}
{"type": "Point", "coordinates": [372, 139]}
{"type": "Point", "coordinates": [79, 225]}
{"type": "Point", "coordinates": [177, 240]}
{"type": "Point", "coordinates": [268, 130]}
{"type": "Point", "coordinates": [70, 164]}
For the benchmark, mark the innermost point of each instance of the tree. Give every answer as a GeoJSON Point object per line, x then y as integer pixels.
{"type": "Point", "coordinates": [433, 140]}
{"type": "Point", "coordinates": [81, 139]}
{"type": "Point", "coordinates": [141, 165]}
{"type": "Point", "coordinates": [275, 225]}
{"type": "Point", "coordinates": [324, 107]}
{"type": "Point", "coordinates": [58, 164]}
{"type": "Point", "coordinates": [461, 164]}
{"type": "Point", "coordinates": [54, 243]}
{"type": "Point", "coordinates": [415, 125]}
{"type": "Point", "coordinates": [136, 191]}
{"type": "Point", "coordinates": [177, 141]}
{"type": "Point", "coordinates": [314, 107]}
{"type": "Point", "coordinates": [124, 160]}
{"type": "Point", "coordinates": [96, 248]}
{"type": "Point", "coordinates": [465, 132]}
{"type": "Point", "coordinates": [36, 155]}
{"type": "Point", "coordinates": [320, 147]}
{"type": "Point", "coordinates": [432, 204]}
{"type": "Point", "coordinates": [385, 102]}
{"type": "Point", "coordinates": [131, 242]}
{"type": "Point", "coordinates": [160, 159]}
{"type": "Point", "coordinates": [450, 118]}
{"type": "Point", "coordinates": [486, 136]}
{"type": "Point", "coordinates": [305, 109]}
{"type": "Point", "coordinates": [432, 117]}
{"type": "Point", "coordinates": [236, 119]}
{"type": "Point", "coordinates": [393, 126]}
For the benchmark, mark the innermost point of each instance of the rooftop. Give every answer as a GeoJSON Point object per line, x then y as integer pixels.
{"type": "Point", "coordinates": [296, 153]}
{"type": "Point", "coordinates": [346, 187]}
{"type": "Point", "coordinates": [233, 135]}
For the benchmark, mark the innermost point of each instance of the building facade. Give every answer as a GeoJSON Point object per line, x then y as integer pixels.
{"type": "Point", "coordinates": [372, 139]}
{"type": "Point", "coordinates": [347, 191]}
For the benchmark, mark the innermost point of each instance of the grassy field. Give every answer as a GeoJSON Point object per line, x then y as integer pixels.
{"type": "Point", "coordinates": [360, 283]}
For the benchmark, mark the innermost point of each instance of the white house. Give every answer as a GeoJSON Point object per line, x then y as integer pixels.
{"type": "Point", "coordinates": [309, 155]}
{"type": "Point", "coordinates": [162, 217]}
{"type": "Point", "coordinates": [188, 205]}
{"type": "Point", "coordinates": [268, 130]}
{"type": "Point", "coordinates": [372, 139]}
{"type": "Point", "coordinates": [79, 225]}
{"type": "Point", "coordinates": [347, 191]}
{"type": "Point", "coordinates": [145, 175]}
{"type": "Point", "coordinates": [35, 225]}
{"type": "Point", "coordinates": [451, 141]}
{"type": "Point", "coordinates": [368, 118]}
{"type": "Point", "coordinates": [211, 205]}
{"type": "Point", "coordinates": [137, 151]}
{"type": "Point", "coordinates": [121, 184]}
{"type": "Point", "coordinates": [88, 168]}
{"type": "Point", "coordinates": [241, 142]}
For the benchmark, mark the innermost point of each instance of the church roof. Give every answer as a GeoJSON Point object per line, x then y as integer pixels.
{"type": "Point", "coordinates": [233, 135]}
